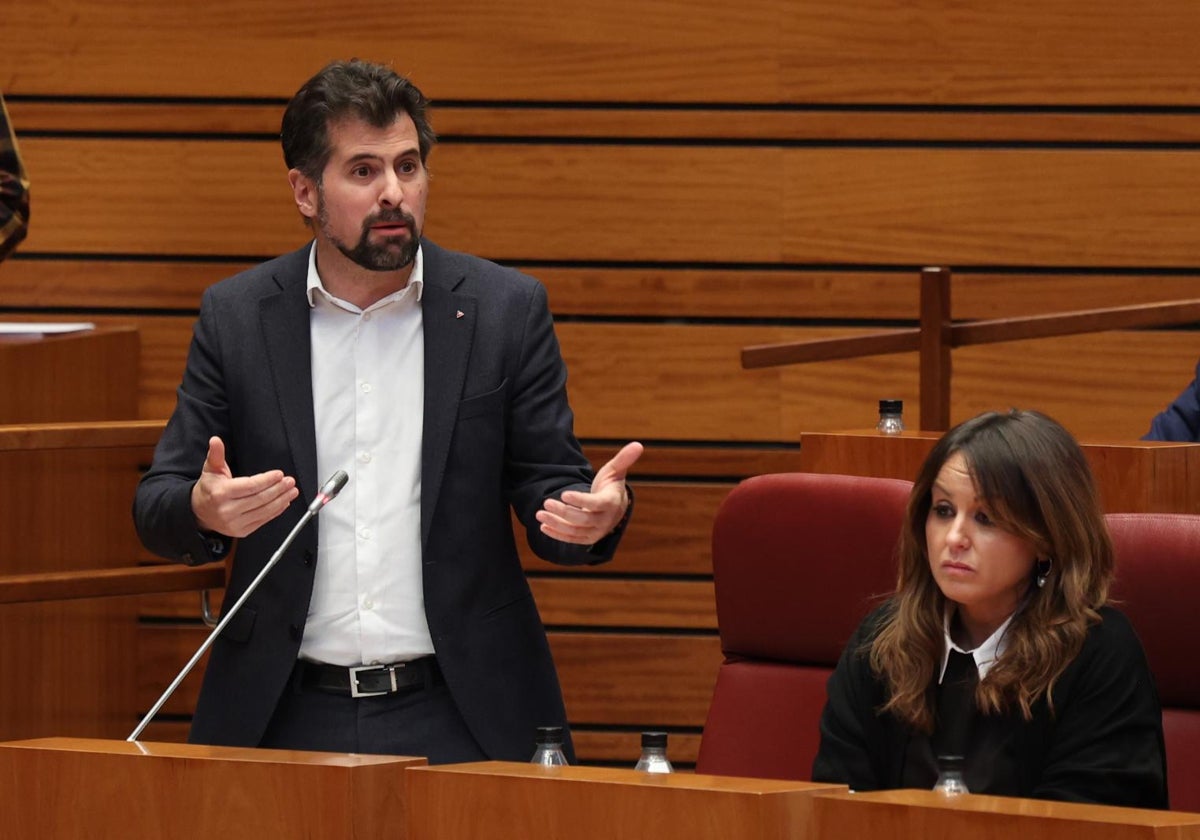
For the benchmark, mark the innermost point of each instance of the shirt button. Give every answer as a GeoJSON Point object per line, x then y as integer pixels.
{"type": "Point", "coordinates": [366, 316]}
{"type": "Point", "coordinates": [368, 604]}
{"type": "Point", "coordinates": [365, 533]}
{"type": "Point", "coordinates": [365, 457]}
{"type": "Point", "coordinates": [366, 387]}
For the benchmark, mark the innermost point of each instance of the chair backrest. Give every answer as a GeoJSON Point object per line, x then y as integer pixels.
{"type": "Point", "coordinates": [799, 559]}
{"type": "Point", "coordinates": [1158, 587]}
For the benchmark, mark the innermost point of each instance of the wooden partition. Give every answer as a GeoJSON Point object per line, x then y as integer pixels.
{"type": "Point", "coordinates": [925, 815]}
{"type": "Point", "coordinates": [68, 788]}
{"type": "Point", "coordinates": [1133, 476]}
{"type": "Point", "coordinates": [90, 374]}
{"type": "Point", "coordinates": [69, 667]}
{"type": "Point", "coordinates": [500, 800]}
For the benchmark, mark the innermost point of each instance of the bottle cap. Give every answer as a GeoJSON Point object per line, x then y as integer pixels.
{"type": "Point", "coordinates": [654, 739]}
{"type": "Point", "coordinates": [891, 406]}
{"type": "Point", "coordinates": [549, 735]}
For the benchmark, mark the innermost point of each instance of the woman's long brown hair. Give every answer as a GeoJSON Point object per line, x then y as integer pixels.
{"type": "Point", "coordinates": [1035, 481]}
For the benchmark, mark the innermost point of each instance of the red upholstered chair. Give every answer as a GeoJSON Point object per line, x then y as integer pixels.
{"type": "Point", "coordinates": [1158, 587]}
{"type": "Point", "coordinates": [799, 559]}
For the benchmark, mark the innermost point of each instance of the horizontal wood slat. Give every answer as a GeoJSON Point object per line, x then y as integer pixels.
{"type": "Point", "coordinates": [687, 605]}
{"type": "Point", "coordinates": [764, 51]}
{"type": "Point", "coordinates": [139, 436]}
{"type": "Point", "coordinates": [651, 680]}
{"type": "Point", "coordinates": [98, 583]}
{"type": "Point", "coordinates": [797, 205]}
{"type": "Point", "coordinates": [666, 292]}
{"type": "Point", "coordinates": [454, 123]}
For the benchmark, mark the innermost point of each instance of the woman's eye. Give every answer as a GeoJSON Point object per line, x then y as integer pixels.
{"type": "Point", "coordinates": [982, 518]}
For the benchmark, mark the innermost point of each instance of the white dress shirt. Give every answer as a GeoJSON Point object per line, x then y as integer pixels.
{"type": "Point", "coordinates": [368, 379]}
{"type": "Point", "coordinates": [986, 654]}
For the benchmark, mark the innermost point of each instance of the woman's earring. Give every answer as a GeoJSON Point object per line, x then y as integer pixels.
{"type": "Point", "coordinates": [1043, 571]}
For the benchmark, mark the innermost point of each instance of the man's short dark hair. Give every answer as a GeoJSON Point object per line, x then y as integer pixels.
{"type": "Point", "coordinates": [371, 92]}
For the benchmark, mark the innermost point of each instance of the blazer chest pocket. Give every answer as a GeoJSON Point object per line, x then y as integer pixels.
{"type": "Point", "coordinates": [485, 404]}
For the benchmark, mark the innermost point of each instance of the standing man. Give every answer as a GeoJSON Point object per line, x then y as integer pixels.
{"type": "Point", "coordinates": [14, 188]}
{"type": "Point", "coordinates": [401, 621]}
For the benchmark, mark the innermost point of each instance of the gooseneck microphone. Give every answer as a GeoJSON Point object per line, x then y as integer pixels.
{"type": "Point", "coordinates": [324, 496]}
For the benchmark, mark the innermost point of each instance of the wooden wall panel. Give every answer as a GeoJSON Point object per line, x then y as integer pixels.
{"type": "Point", "coordinates": [653, 604]}
{"type": "Point", "coordinates": [621, 678]}
{"type": "Point", "coordinates": [778, 294]}
{"type": "Point", "coordinates": [762, 51]}
{"type": "Point", "coordinates": [951, 206]}
{"type": "Point", "coordinates": [685, 382]}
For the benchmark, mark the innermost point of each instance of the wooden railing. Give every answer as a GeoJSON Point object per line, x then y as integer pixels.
{"type": "Point", "coordinates": [938, 335]}
{"type": "Point", "coordinates": [101, 583]}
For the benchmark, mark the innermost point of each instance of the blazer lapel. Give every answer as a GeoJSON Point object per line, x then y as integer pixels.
{"type": "Point", "coordinates": [284, 318]}
{"type": "Point", "coordinates": [449, 323]}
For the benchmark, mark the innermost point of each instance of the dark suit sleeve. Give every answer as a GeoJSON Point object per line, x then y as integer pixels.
{"type": "Point", "coordinates": [14, 189]}
{"type": "Point", "coordinates": [1108, 743]}
{"type": "Point", "coordinates": [851, 736]}
{"type": "Point", "coordinates": [1180, 421]}
{"type": "Point", "coordinates": [162, 507]}
{"type": "Point", "coordinates": [544, 458]}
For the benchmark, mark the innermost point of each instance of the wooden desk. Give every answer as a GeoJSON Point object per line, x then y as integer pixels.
{"type": "Point", "coordinates": [1133, 476]}
{"type": "Point", "coordinates": [925, 815]}
{"type": "Point", "coordinates": [503, 800]}
{"type": "Point", "coordinates": [74, 377]}
{"type": "Point", "coordinates": [71, 788]}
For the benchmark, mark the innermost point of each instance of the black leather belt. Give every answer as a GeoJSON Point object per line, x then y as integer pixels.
{"type": "Point", "coordinates": [370, 680]}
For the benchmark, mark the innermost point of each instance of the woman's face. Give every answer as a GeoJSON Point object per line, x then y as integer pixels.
{"type": "Point", "coordinates": [980, 566]}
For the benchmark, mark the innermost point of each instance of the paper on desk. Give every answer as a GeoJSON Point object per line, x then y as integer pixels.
{"type": "Point", "coordinates": [35, 328]}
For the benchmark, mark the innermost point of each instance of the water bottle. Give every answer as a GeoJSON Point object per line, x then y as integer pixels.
{"type": "Point", "coordinates": [548, 751]}
{"type": "Point", "coordinates": [654, 754]}
{"type": "Point", "coordinates": [950, 776]}
{"type": "Point", "coordinates": [891, 417]}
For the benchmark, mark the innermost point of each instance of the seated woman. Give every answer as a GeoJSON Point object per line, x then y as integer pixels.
{"type": "Point", "coordinates": [998, 645]}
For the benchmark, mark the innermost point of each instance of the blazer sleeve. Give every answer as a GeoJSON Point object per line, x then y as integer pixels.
{"type": "Point", "coordinates": [1107, 744]}
{"type": "Point", "coordinates": [544, 457]}
{"type": "Point", "coordinates": [852, 737]}
{"type": "Point", "coordinates": [162, 506]}
{"type": "Point", "coordinates": [1180, 421]}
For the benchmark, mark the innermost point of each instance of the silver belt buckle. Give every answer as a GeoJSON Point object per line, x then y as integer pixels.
{"type": "Point", "coordinates": [354, 690]}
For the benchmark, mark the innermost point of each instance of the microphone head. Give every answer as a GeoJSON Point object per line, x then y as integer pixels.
{"type": "Point", "coordinates": [329, 490]}
{"type": "Point", "coordinates": [334, 485]}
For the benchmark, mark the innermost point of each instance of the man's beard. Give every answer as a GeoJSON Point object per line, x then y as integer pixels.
{"type": "Point", "coordinates": [375, 256]}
